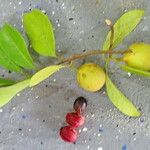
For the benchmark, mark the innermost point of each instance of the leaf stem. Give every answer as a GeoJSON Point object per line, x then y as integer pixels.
{"type": "Point", "coordinates": [90, 53]}
{"type": "Point", "coordinates": [110, 25]}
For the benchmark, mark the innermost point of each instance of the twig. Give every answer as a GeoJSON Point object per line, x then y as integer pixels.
{"type": "Point", "coordinates": [92, 52]}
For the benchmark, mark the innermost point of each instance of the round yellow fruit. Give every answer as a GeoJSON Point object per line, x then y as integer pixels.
{"type": "Point", "coordinates": [139, 57]}
{"type": "Point", "coordinates": [91, 77]}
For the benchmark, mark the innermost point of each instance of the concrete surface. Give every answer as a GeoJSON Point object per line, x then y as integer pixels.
{"type": "Point", "coordinates": [31, 121]}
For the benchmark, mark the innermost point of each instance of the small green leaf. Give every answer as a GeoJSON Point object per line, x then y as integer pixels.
{"type": "Point", "coordinates": [14, 48]}
{"type": "Point", "coordinates": [123, 26]}
{"type": "Point", "coordinates": [44, 73]}
{"type": "Point", "coordinates": [7, 93]}
{"type": "Point", "coordinates": [6, 82]}
{"type": "Point", "coordinates": [120, 101]}
{"type": "Point", "coordinates": [135, 71]}
{"type": "Point", "coordinates": [40, 32]}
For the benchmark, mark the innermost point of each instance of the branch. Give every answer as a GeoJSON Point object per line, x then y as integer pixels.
{"type": "Point", "coordinates": [92, 52]}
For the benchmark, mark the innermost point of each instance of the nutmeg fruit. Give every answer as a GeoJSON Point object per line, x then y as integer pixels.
{"type": "Point", "coordinates": [91, 77]}
{"type": "Point", "coordinates": [68, 134]}
{"type": "Point", "coordinates": [74, 119]}
{"type": "Point", "coordinates": [139, 57]}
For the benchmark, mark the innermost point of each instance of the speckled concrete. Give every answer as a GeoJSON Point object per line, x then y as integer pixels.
{"type": "Point", "coordinates": [31, 121]}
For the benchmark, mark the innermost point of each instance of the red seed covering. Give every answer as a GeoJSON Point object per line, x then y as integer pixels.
{"type": "Point", "coordinates": [75, 120]}
{"type": "Point", "coordinates": [68, 134]}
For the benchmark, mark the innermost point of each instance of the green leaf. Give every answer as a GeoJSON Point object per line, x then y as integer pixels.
{"type": "Point", "coordinates": [44, 73]}
{"type": "Point", "coordinates": [123, 26]}
{"type": "Point", "coordinates": [7, 93]}
{"type": "Point", "coordinates": [135, 71]}
{"type": "Point", "coordinates": [6, 82]}
{"type": "Point", "coordinates": [13, 47]}
{"type": "Point", "coordinates": [120, 101]}
{"type": "Point", "coordinates": [7, 63]}
{"type": "Point", "coordinates": [40, 32]}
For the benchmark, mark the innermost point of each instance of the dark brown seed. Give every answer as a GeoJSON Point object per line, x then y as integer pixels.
{"type": "Point", "coordinates": [80, 105]}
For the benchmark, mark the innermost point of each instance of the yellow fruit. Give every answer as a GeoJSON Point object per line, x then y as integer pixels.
{"type": "Point", "coordinates": [91, 77]}
{"type": "Point", "coordinates": [140, 56]}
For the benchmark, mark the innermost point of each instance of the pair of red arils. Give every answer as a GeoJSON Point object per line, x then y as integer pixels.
{"type": "Point", "coordinates": [74, 120]}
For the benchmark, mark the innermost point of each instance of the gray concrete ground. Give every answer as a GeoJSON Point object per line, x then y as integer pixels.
{"type": "Point", "coordinates": [31, 121]}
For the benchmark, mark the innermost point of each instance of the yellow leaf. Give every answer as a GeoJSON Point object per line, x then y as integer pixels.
{"type": "Point", "coordinates": [119, 100]}
{"type": "Point", "coordinates": [7, 93]}
{"type": "Point", "coordinates": [123, 26]}
{"type": "Point", "coordinates": [43, 74]}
